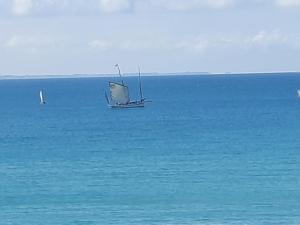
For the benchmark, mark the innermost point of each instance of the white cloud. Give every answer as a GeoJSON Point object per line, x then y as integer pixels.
{"type": "Point", "coordinates": [31, 43]}
{"type": "Point", "coordinates": [41, 7]}
{"type": "Point", "coordinates": [268, 38]}
{"type": "Point", "coordinates": [22, 7]}
{"type": "Point", "coordinates": [288, 3]}
{"type": "Point", "coordinates": [263, 39]}
{"type": "Point", "coordinates": [217, 3]}
{"type": "Point", "coordinates": [197, 45]}
{"type": "Point", "coordinates": [19, 41]}
{"type": "Point", "coordinates": [111, 6]}
{"type": "Point", "coordinates": [101, 45]}
{"type": "Point", "coordinates": [128, 45]}
{"type": "Point", "coordinates": [179, 5]}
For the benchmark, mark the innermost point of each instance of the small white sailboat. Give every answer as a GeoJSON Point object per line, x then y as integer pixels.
{"type": "Point", "coordinates": [298, 93]}
{"type": "Point", "coordinates": [119, 94]}
{"type": "Point", "coordinates": [42, 101]}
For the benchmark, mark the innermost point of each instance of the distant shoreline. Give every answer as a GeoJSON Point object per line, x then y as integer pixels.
{"type": "Point", "coordinates": [155, 74]}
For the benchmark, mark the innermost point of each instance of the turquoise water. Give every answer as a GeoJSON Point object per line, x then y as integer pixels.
{"type": "Point", "coordinates": [208, 150]}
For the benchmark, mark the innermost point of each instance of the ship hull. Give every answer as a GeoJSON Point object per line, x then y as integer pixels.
{"type": "Point", "coordinates": [137, 104]}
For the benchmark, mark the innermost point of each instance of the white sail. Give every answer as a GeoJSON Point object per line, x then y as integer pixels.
{"type": "Point", "coordinates": [298, 92]}
{"type": "Point", "coordinates": [119, 93]}
{"type": "Point", "coordinates": [41, 98]}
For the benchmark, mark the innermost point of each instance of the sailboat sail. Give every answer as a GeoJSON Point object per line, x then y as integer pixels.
{"type": "Point", "coordinates": [41, 98]}
{"type": "Point", "coordinates": [119, 93]}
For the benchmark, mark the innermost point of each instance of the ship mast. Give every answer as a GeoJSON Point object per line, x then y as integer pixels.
{"type": "Point", "coordinates": [140, 84]}
{"type": "Point", "coordinates": [117, 65]}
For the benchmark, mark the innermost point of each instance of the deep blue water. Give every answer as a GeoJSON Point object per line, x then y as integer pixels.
{"type": "Point", "coordinates": [208, 150]}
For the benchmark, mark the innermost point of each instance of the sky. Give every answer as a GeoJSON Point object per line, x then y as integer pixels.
{"type": "Point", "coordinates": [53, 37]}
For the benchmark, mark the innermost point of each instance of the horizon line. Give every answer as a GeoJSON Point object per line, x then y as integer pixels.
{"type": "Point", "coordinates": [147, 74]}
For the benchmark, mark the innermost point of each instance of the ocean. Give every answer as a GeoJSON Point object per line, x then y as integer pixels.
{"type": "Point", "coordinates": [211, 149]}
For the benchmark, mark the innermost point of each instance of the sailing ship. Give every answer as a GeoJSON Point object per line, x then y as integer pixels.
{"type": "Point", "coordinates": [119, 94]}
{"type": "Point", "coordinates": [298, 93]}
{"type": "Point", "coordinates": [42, 101]}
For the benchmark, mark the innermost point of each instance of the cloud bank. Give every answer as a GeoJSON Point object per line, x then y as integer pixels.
{"type": "Point", "coordinates": [26, 7]}
{"type": "Point", "coordinates": [22, 7]}
{"type": "Point", "coordinates": [81, 36]}
{"type": "Point", "coordinates": [201, 44]}
{"type": "Point", "coordinates": [288, 3]}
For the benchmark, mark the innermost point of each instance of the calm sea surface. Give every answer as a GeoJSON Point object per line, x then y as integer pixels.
{"type": "Point", "coordinates": [208, 150]}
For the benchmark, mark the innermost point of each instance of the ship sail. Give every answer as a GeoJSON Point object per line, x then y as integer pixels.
{"type": "Point", "coordinates": [119, 93]}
